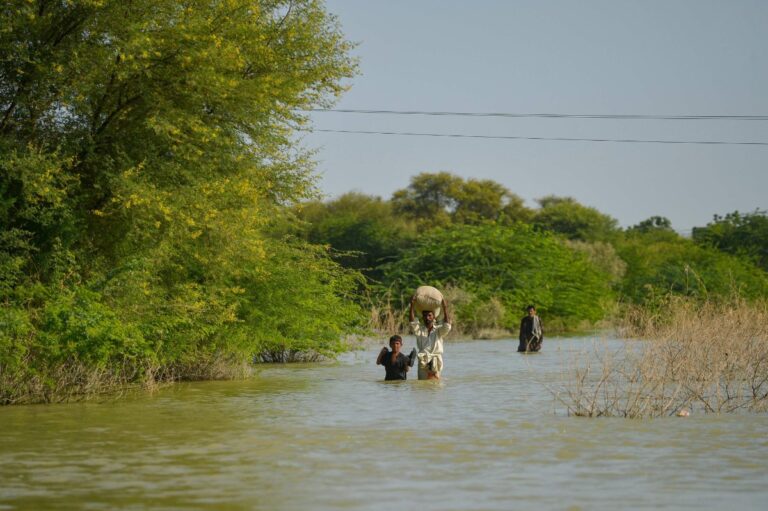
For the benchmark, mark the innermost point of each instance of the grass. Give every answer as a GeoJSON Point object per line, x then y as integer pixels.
{"type": "Point", "coordinates": [687, 358]}
{"type": "Point", "coordinates": [74, 381]}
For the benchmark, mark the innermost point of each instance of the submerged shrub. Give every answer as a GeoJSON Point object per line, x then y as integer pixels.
{"type": "Point", "coordinates": [710, 358]}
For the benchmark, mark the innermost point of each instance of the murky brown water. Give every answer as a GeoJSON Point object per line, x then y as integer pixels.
{"type": "Point", "coordinates": [333, 436]}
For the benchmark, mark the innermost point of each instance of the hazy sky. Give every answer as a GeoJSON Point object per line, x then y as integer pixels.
{"type": "Point", "coordinates": [691, 57]}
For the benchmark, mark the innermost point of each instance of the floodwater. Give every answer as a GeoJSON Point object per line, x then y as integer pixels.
{"type": "Point", "coordinates": [333, 436]}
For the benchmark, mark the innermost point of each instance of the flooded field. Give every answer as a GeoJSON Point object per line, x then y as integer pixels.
{"type": "Point", "coordinates": [334, 436]}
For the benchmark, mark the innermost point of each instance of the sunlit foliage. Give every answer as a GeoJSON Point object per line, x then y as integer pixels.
{"type": "Point", "coordinates": [742, 234]}
{"type": "Point", "coordinates": [564, 215]}
{"type": "Point", "coordinates": [144, 148]}
{"type": "Point", "coordinates": [439, 199]}
{"type": "Point", "coordinates": [656, 268]}
{"type": "Point", "coordinates": [514, 264]}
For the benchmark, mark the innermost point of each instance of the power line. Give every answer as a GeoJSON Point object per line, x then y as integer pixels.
{"type": "Point", "coordinates": [558, 139]}
{"type": "Point", "coordinates": [553, 115]}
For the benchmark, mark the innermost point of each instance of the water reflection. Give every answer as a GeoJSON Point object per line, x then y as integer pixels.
{"type": "Point", "coordinates": [335, 436]}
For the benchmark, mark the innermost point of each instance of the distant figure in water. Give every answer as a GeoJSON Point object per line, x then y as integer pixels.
{"type": "Point", "coordinates": [429, 340]}
{"type": "Point", "coordinates": [531, 333]}
{"type": "Point", "coordinates": [395, 363]}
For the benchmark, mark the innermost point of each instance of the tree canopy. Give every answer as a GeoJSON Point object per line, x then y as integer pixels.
{"type": "Point", "coordinates": [144, 148]}
{"type": "Point", "coordinates": [363, 231]}
{"type": "Point", "coordinates": [564, 215]}
{"type": "Point", "coordinates": [743, 234]}
{"type": "Point", "coordinates": [439, 199]}
{"type": "Point", "coordinates": [659, 267]}
{"type": "Point", "coordinates": [517, 265]}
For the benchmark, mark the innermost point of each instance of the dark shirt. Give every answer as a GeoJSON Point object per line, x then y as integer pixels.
{"type": "Point", "coordinates": [527, 328]}
{"type": "Point", "coordinates": [529, 341]}
{"type": "Point", "coordinates": [396, 370]}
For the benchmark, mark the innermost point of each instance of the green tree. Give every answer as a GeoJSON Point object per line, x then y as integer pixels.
{"type": "Point", "coordinates": [741, 234]}
{"type": "Point", "coordinates": [442, 198]}
{"type": "Point", "coordinates": [564, 215]}
{"type": "Point", "coordinates": [656, 268]}
{"type": "Point", "coordinates": [603, 256]}
{"type": "Point", "coordinates": [515, 265]}
{"type": "Point", "coordinates": [144, 147]}
{"type": "Point", "coordinates": [363, 231]}
{"type": "Point", "coordinates": [430, 198]}
{"type": "Point", "coordinates": [654, 223]}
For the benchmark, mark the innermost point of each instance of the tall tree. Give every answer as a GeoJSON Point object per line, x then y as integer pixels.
{"type": "Point", "coordinates": [442, 198]}
{"type": "Point", "coordinates": [363, 231]}
{"type": "Point", "coordinates": [654, 223]}
{"type": "Point", "coordinates": [144, 147]}
{"type": "Point", "coordinates": [742, 234]}
{"type": "Point", "coordinates": [566, 216]}
{"type": "Point", "coordinates": [159, 95]}
{"type": "Point", "coordinates": [429, 198]}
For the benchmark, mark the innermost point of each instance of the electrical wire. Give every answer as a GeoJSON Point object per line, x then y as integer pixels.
{"type": "Point", "coordinates": [558, 139]}
{"type": "Point", "coordinates": [552, 115]}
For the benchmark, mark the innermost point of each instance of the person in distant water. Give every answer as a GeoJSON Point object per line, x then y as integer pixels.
{"type": "Point", "coordinates": [429, 341]}
{"type": "Point", "coordinates": [531, 333]}
{"type": "Point", "coordinates": [395, 363]}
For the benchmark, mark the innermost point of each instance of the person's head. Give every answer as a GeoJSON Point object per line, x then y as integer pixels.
{"type": "Point", "coordinates": [428, 317]}
{"type": "Point", "coordinates": [396, 342]}
{"type": "Point", "coordinates": [531, 310]}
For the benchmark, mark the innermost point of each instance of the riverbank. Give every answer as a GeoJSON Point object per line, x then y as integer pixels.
{"type": "Point", "coordinates": [711, 357]}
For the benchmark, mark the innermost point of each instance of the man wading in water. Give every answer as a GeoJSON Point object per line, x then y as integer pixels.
{"type": "Point", "coordinates": [429, 341]}
{"type": "Point", "coordinates": [531, 334]}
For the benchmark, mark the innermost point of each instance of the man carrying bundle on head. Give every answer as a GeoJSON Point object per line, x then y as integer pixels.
{"type": "Point", "coordinates": [429, 336]}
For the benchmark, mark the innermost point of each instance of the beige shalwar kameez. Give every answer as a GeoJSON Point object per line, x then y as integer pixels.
{"type": "Point", "coordinates": [430, 347]}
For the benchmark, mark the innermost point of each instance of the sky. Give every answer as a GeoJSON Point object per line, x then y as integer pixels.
{"type": "Point", "coordinates": [666, 57]}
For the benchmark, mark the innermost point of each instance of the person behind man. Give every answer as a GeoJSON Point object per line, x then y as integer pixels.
{"type": "Point", "coordinates": [429, 341]}
{"type": "Point", "coordinates": [531, 333]}
{"type": "Point", "coordinates": [395, 363]}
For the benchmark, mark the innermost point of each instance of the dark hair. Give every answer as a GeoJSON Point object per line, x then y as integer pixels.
{"type": "Point", "coordinates": [395, 338]}
{"type": "Point", "coordinates": [530, 307]}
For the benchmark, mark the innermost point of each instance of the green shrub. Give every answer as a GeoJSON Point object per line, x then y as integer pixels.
{"type": "Point", "coordinates": [679, 266]}
{"type": "Point", "coordinates": [516, 265]}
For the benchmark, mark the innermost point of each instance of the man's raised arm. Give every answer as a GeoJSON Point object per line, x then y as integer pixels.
{"type": "Point", "coordinates": [445, 312]}
{"type": "Point", "coordinates": [412, 316]}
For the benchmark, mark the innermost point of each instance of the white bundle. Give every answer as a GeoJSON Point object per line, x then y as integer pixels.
{"type": "Point", "coordinates": [428, 299]}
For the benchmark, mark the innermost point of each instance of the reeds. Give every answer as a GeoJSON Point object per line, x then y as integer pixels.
{"type": "Point", "coordinates": [386, 319]}
{"type": "Point", "coordinates": [687, 357]}
{"type": "Point", "coordinates": [72, 380]}
{"type": "Point", "coordinates": [67, 381]}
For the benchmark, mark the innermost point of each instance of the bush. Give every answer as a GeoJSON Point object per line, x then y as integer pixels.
{"type": "Point", "coordinates": [702, 357]}
{"type": "Point", "coordinates": [679, 266]}
{"type": "Point", "coordinates": [515, 265]}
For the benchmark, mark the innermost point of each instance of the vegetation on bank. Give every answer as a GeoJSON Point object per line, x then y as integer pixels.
{"type": "Point", "coordinates": [145, 152]}
{"type": "Point", "coordinates": [493, 255]}
{"type": "Point", "coordinates": [501, 269]}
{"type": "Point", "coordinates": [158, 220]}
